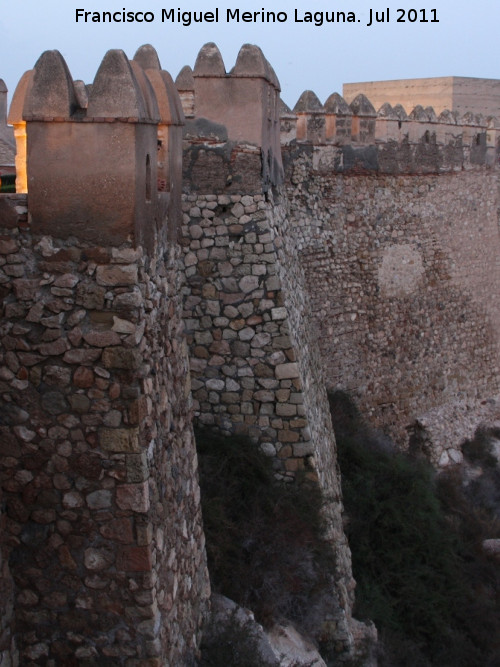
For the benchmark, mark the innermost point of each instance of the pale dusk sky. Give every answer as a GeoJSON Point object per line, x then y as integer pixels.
{"type": "Point", "coordinates": [461, 41]}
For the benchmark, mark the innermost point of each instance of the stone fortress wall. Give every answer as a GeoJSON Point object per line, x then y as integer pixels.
{"type": "Point", "coordinates": [102, 523]}
{"type": "Point", "coordinates": [254, 363]}
{"type": "Point", "coordinates": [325, 246]}
{"type": "Point", "coordinates": [396, 222]}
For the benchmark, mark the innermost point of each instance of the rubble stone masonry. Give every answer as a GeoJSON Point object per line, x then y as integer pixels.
{"type": "Point", "coordinates": [401, 271]}
{"type": "Point", "coordinates": [254, 362]}
{"type": "Point", "coordinates": [102, 523]}
{"type": "Point", "coordinates": [255, 368]}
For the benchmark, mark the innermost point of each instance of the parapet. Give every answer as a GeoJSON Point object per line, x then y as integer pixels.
{"type": "Point", "coordinates": [51, 93]}
{"type": "Point", "coordinates": [4, 130]}
{"type": "Point", "coordinates": [244, 101]}
{"type": "Point", "coordinates": [288, 123]}
{"type": "Point", "coordinates": [185, 87]}
{"type": "Point", "coordinates": [389, 123]}
{"type": "Point", "coordinates": [311, 121]}
{"type": "Point", "coordinates": [459, 94]}
{"type": "Point", "coordinates": [169, 132]}
{"type": "Point", "coordinates": [93, 152]}
{"type": "Point", "coordinates": [336, 122]}
{"type": "Point", "coordinates": [209, 62]}
{"type": "Point", "coordinates": [363, 120]}
{"type": "Point", "coordinates": [338, 119]}
{"type": "Point", "coordinates": [452, 141]}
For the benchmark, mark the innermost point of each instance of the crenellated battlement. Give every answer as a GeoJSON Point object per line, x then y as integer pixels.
{"type": "Point", "coordinates": [237, 111]}
{"type": "Point", "coordinates": [94, 368]}
{"type": "Point", "coordinates": [457, 140]}
{"type": "Point", "coordinates": [119, 136]}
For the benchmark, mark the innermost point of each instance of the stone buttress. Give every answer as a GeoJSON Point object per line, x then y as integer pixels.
{"type": "Point", "coordinates": [101, 523]}
{"type": "Point", "coordinates": [254, 363]}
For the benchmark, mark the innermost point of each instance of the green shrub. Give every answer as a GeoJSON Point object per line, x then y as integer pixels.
{"type": "Point", "coordinates": [404, 556]}
{"type": "Point", "coordinates": [264, 538]}
{"type": "Point", "coordinates": [479, 450]}
{"type": "Point", "coordinates": [7, 183]}
{"type": "Point", "coordinates": [416, 548]}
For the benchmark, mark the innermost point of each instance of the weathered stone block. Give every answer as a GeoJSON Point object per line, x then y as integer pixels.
{"type": "Point", "coordinates": [98, 500]}
{"type": "Point", "coordinates": [98, 559]}
{"type": "Point", "coordinates": [90, 296]}
{"type": "Point", "coordinates": [113, 275]}
{"type": "Point", "coordinates": [286, 410]}
{"type": "Point", "coordinates": [72, 500]}
{"type": "Point", "coordinates": [137, 468]}
{"type": "Point", "coordinates": [82, 356]}
{"type": "Point", "coordinates": [287, 371]}
{"type": "Point", "coordinates": [56, 348]}
{"type": "Point", "coordinates": [102, 338]}
{"type": "Point", "coordinates": [121, 357]}
{"type": "Point", "coordinates": [119, 439]}
{"type": "Point", "coordinates": [54, 403]}
{"type": "Point", "coordinates": [118, 530]}
{"type": "Point", "coordinates": [123, 326]}
{"type": "Point", "coordinates": [25, 289]}
{"type": "Point", "coordinates": [279, 313]}
{"type": "Point", "coordinates": [134, 559]}
{"type": "Point", "coordinates": [8, 246]}
{"type": "Point", "coordinates": [288, 436]}
{"type": "Point", "coordinates": [79, 403]}
{"type": "Point", "coordinates": [248, 284]}
{"type": "Point", "coordinates": [83, 377]}
{"type": "Point", "coordinates": [134, 497]}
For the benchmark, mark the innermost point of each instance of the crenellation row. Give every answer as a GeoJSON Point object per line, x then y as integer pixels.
{"type": "Point", "coordinates": [122, 88]}
{"type": "Point", "coordinates": [234, 128]}
{"type": "Point", "coordinates": [339, 123]}
{"type": "Point", "coordinates": [120, 136]}
{"type": "Point", "coordinates": [239, 107]}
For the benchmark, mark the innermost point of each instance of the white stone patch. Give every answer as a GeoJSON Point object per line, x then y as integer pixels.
{"type": "Point", "coordinates": [293, 649]}
{"type": "Point", "coordinates": [495, 448]}
{"type": "Point", "coordinates": [400, 271]}
{"type": "Point", "coordinates": [279, 313]}
{"type": "Point", "coordinates": [268, 448]}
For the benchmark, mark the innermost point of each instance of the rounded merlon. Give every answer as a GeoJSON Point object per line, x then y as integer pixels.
{"type": "Point", "coordinates": [209, 61]}
{"type": "Point", "coordinates": [147, 57]}
{"type": "Point", "coordinates": [251, 62]}
{"type": "Point", "coordinates": [337, 105]}
{"type": "Point", "coordinates": [185, 79]}
{"type": "Point", "coordinates": [308, 102]}
{"type": "Point", "coordinates": [19, 98]}
{"type": "Point", "coordinates": [361, 106]}
{"type": "Point", "coordinates": [116, 92]}
{"type": "Point", "coordinates": [51, 93]}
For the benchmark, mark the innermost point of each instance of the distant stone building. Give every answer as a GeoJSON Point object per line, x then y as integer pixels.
{"type": "Point", "coordinates": [457, 93]}
{"type": "Point", "coordinates": [7, 144]}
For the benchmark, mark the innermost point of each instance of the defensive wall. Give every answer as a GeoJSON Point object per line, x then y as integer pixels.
{"type": "Point", "coordinates": [332, 245]}
{"type": "Point", "coordinates": [254, 364]}
{"type": "Point", "coordinates": [395, 218]}
{"type": "Point", "coordinates": [101, 524]}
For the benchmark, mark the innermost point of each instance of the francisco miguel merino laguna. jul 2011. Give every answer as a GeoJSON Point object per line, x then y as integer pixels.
{"type": "Point", "coordinates": [186, 18]}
